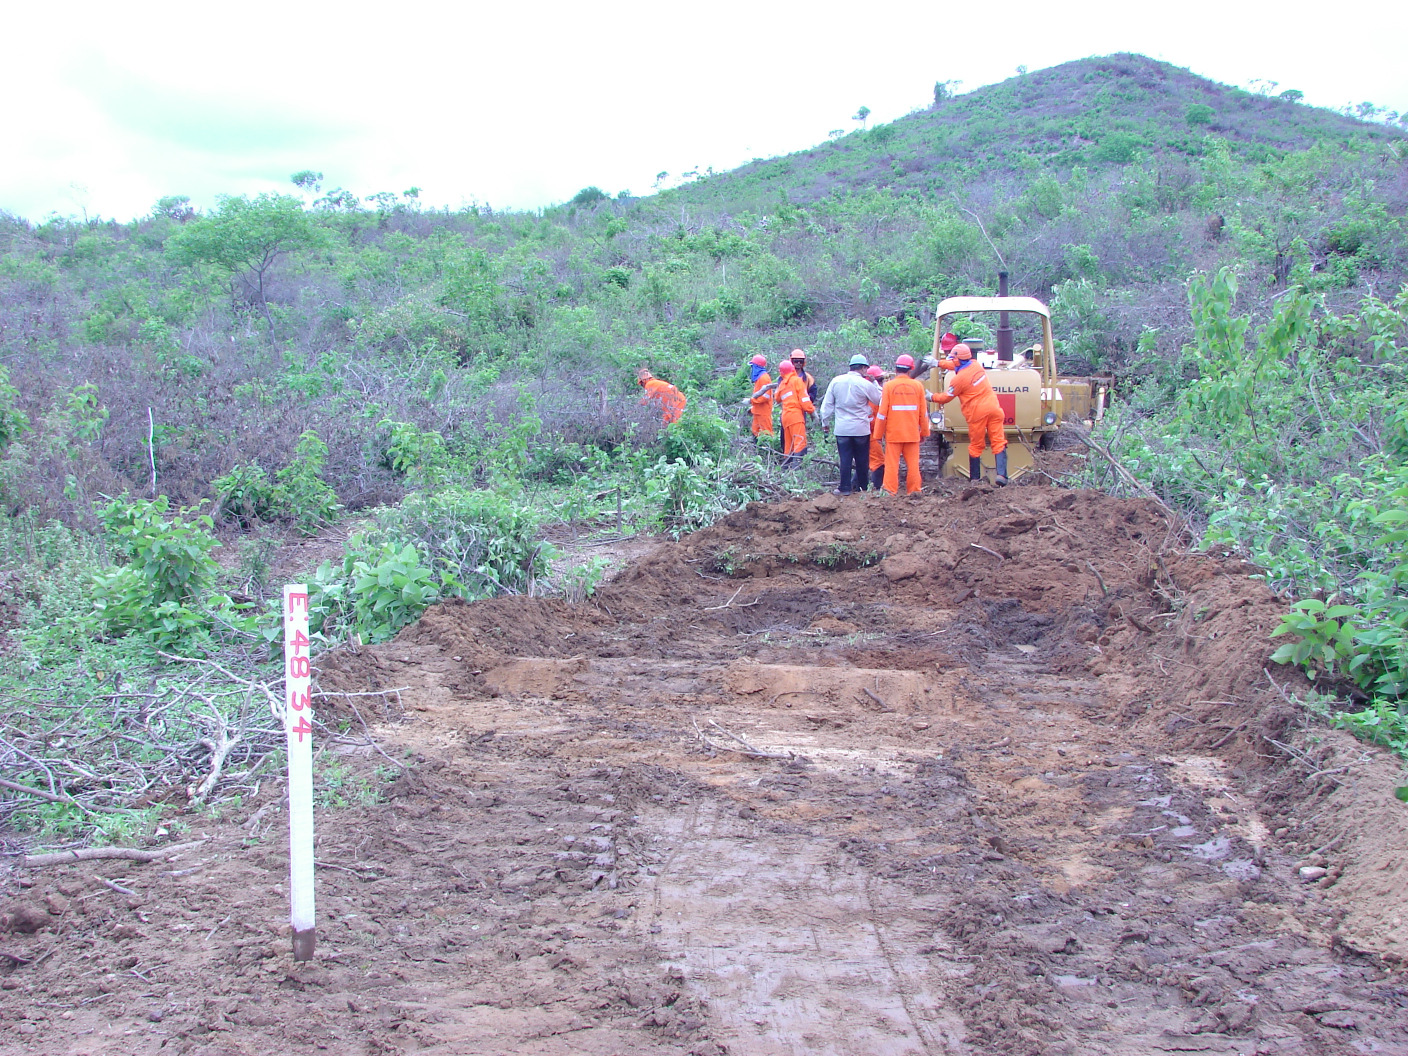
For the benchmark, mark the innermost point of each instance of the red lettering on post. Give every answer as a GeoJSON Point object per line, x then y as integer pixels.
{"type": "Point", "coordinates": [294, 599]}
{"type": "Point", "coordinates": [301, 727]}
{"type": "Point", "coordinates": [299, 667]}
{"type": "Point", "coordinates": [296, 702]}
{"type": "Point", "coordinates": [300, 640]}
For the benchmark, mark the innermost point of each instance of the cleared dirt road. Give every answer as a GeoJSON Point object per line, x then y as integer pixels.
{"type": "Point", "coordinates": [923, 776]}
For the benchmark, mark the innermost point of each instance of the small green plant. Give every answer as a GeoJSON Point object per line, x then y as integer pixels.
{"type": "Point", "coordinates": [408, 449]}
{"type": "Point", "coordinates": [697, 437]}
{"type": "Point", "coordinates": [579, 582]}
{"type": "Point", "coordinates": [845, 557]}
{"type": "Point", "coordinates": [390, 590]}
{"type": "Point", "coordinates": [301, 493]}
{"type": "Point", "coordinates": [298, 493]}
{"type": "Point", "coordinates": [245, 495]}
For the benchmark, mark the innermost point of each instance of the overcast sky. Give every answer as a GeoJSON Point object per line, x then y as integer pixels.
{"type": "Point", "coordinates": [110, 106]}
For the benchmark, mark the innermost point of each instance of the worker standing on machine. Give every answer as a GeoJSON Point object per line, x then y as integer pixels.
{"type": "Point", "coordinates": [761, 401]}
{"type": "Point", "coordinates": [970, 386]}
{"type": "Point", "coordinates": [877, 446]}
{"type": "Point", "coordinates": [668, 400]}
{"type": "Point", "coordinates": [849, 399]}
{"type": "Point", "coordinates": [902, 422]}
{"type": "Point", "coordinates": [796, 404]}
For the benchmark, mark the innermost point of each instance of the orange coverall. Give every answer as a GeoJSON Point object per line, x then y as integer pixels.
{"type": "Point", "coordinates": [793, 399]}
{"type": "Point", "coordinates": [762, 406]}
{"type": "Point", "coordinates": [668, 398]}
{"type": "Point", "coordinates": [902, 421]}
{"type": "Point", "coordinates": [970, 386]}
{"type": "Point", "coordinates": [877, 449]}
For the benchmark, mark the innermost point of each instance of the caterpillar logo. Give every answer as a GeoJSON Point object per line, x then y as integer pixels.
{"type": "Point", "coordinates": [1012, 388]}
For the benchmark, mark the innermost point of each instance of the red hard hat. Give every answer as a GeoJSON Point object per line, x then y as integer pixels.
{"type": "Point", "coordinates": [643, 375]}
{"type": "Point", "coordinates": [797, 353]}
{"type": "Point", "coordinates": [948, 341]}
{"type": "Point", "coordinates": [905, 362]}
{"type": "Point", "coordinates": [759, 361]}
{"type": "Point", "coordinates": [786, 367]}
{"type": "Point", "coordinates": [874, 372]}
{"type": "Point", "coordinates": [962, 352]}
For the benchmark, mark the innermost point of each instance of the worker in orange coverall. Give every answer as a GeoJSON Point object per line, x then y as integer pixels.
{"type": "Point", "coordinates": [668, 400]}
{"type": "Point", "coordinates": [761, 401]}
{"type": "Point", "coordinates": [796, 404]}
{"type": "Point", "coordinates": [902, 422]}
{"type": "Point", "coordinates": [877, 448]}
{"type": "Point", "coordinates": [971, 388]}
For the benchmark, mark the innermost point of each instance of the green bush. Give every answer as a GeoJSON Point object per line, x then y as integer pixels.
{"type": "Point", "coordinates": [298, 494]}
{"type": "Point", "coordinates": [245, 495]}
{"type": "Point", "coordinates": [697, 437]}
{"type": "Point", "coordinates": [1199, 114]}
{"type": "Point", "coordinates": [13, 421]}
{"type": "Point", "coordinates": [479, 543]}
{"type": "Point", "coordinates": [166, 588]}
{"type": "Point", "coordinates": [301, 495]}
{"type": "Point", "coordinates": [1281, 441]}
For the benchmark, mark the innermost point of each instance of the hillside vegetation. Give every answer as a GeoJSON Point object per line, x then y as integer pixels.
{"type": "Point", "coordinates": [281, 363]}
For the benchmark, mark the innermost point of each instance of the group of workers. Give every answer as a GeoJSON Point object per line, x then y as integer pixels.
{"type": "Point", "coordinates": [876, 427]}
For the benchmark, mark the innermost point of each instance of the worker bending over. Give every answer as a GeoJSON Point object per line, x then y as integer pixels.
{"type": "Point", "coordinates": [902, 422]}
{"type": "Point", "coordinates": [971, 388]}
{"type": "Point", "coordinates": [668, 400]}
{"type": "Point", "coordinates": [796, 404]}
{"type": "Point", "coordinates": [877, 446]}
{"type": "Point", "coordinates": [761, 401]}
{"type": "Point", "coordinates": [849, 399]}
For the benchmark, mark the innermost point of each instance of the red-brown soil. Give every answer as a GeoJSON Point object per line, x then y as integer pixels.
{"type": "Point", "coordinates": [996, 772]}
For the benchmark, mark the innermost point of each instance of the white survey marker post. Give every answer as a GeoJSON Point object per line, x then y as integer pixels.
{"type": "Point", "coordinates": [298, 725]}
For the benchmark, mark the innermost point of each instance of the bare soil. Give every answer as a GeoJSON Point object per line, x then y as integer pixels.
{"type": "Point", "coordinates": [989, 772]}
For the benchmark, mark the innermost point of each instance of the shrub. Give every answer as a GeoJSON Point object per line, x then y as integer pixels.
{"type": "Point", "coordinates": [479, 543]}
{"type": "Point", "coordinates": [698, 436]}
{"type": "Point", "coordinates": [298, 494]}
{"type": "Point", "coordinates": [1199, 114]}
{"type": "Point", "coordinates": [165, 590]}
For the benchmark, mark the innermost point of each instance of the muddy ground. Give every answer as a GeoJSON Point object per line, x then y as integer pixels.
{"type": "Point", "coordinates": [989, 772]}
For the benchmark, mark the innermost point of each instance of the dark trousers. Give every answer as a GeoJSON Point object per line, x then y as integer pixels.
{"type": "Point", "coordinates": [855, 456]}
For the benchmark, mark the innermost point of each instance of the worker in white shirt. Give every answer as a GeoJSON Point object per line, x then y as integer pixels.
{"type": "Point", "coordinates": [848, 400]}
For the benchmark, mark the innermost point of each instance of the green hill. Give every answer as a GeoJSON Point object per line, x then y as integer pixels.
{"type": "Point", "coordinates": [1095, 112]}
{"type": "Point", "coordinates": [1102, 184]}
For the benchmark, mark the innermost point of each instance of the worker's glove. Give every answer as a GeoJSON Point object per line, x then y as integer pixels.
{"type": "Point", "coordinates": [931, 361]}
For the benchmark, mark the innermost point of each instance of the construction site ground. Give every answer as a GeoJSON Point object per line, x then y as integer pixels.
{"type": "Point", "coordinates": [980, 771]}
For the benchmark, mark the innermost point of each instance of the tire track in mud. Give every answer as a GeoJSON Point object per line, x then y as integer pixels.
{"type": "Point", "coordinates": [1001, 834]}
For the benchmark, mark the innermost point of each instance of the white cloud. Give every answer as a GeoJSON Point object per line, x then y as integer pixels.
{"type": "Point", "coordinates": [521, 105]}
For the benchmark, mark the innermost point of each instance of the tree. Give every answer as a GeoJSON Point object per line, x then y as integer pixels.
{"type": "Point", "coordinates": [1199, 114]}
{"type": "Point", "coordinates": [176, 207]}
{"type": "Point", "coordinates": [944, 90]}
{"type": "Point", "coordinates": [1291, 95]}
{"type": "Point", "coordinates": [307, 180]}
{"type": "Point", "coordinates": [589, 196]}
{"type": "Point", "coordinates": [861, 115]}
{"type": "Point", "coordinates": [245, 238]}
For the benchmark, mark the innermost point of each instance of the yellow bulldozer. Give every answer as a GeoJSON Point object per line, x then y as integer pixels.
{"type": "Point", "coordinates": [1021, 365]}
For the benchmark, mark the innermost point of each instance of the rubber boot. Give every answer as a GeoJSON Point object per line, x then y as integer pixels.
{"type": "Point", "coordinates": [975, 468]}
{"type": "Point", "coordinates": [1001, 478]}
{"type": "Point", "coordinates": [877, 477]}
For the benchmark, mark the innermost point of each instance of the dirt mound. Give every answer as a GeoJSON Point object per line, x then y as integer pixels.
{"type": "Point", "coordinates": [981, 771]}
